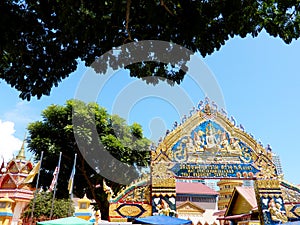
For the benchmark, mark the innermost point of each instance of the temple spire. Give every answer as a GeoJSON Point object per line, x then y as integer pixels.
{"type": "Point", "coordinates": [21, 154]}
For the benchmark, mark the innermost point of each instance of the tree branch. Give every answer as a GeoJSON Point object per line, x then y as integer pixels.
{"type": "Point", "coordinates": [162, 3]}
{"type": "Point", "coordinates": [92, 187]}
{"type": "Point", "coordinates": [127, 19]}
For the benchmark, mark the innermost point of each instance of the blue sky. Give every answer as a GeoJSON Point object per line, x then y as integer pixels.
{"type": "Point", "coordinates": [259, 79]}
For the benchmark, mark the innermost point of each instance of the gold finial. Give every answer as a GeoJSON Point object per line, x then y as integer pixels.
{"type": "Point", "coordinates": [21, 154]}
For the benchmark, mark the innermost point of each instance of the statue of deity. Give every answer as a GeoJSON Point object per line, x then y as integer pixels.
{"type": "Point", "coordinates": [211, 140]}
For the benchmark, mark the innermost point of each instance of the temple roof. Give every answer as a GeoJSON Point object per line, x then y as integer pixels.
{"type": "Point", "coordinates": [19, 164]}
{"type": "Point", "coordinates": [194, 188]}
{"type": "Point", "coordinates": [214, 146]}
{"type": "Point", "coordinates": [249, 194]}
{"type": "Point", "coordinates": [242, 201]}
{"type": "Point", "coordinates": [21, 153]}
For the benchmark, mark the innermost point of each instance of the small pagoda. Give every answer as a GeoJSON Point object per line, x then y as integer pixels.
{"type": "Point", "coordinates": [11, 183]}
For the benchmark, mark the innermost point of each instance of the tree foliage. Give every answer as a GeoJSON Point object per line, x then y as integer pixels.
{"type": "Point", "coordinates": [43, 204]}
{"type": "Point", "coordinates": [56, 133]}
{"type": "Point", "coordinates": [41, 41]}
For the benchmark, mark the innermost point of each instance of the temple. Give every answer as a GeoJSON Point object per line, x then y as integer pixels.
{"type": "Point", "coordinates": [244, 188]}
{"type": "Point", "coordinates": [12, 184]}
{"type": "Point", "coordinates": [209, 145]}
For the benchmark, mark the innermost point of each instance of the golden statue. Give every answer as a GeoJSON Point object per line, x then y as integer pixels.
{"type": "Point", "coordinates": [108, 191]}
{"type": "Point", "coordinates": [276, 214]}
{"type": "Point", "coordinates": [163, 208]}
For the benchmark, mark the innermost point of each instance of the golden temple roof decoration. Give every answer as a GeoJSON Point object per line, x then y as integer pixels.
{"type": "Point", "coordinates": [208, 110]}
{"type": "Point", "coordinates": [21, 154]}
{"type": "Point", "coordinates": [209, 137]}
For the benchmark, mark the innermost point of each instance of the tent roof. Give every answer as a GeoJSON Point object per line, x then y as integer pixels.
{"type": "Point", "coordinates": [67, 220]}
{"type": "Point", "coordinates": [161, 220]}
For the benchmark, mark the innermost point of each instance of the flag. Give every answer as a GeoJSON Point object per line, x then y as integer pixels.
{"type": "Point", "coordinates": [55, 174]}
{"type": "Point", "coordinates": [32, 173]}
{"type": "Point", "coordinates": [1, 173]}
{"type": "Point", "coordinates": [71, 180]}
{"type": "Point", "coordinates": [2, 165]}
{"type": "Point", "coordinates": [1, 180]}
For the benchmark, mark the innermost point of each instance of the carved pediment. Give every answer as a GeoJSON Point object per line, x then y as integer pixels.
{"type": "Point", "coordinates": [189, 208]}
{"type": "Point", "coordinates": [13, 167]}
{"type": "Point", "coordinates": [209, 137]}
{"type": "Point", "coordinates": [8, 182]}
{"type": "Point", "coordinates": [27, 167]}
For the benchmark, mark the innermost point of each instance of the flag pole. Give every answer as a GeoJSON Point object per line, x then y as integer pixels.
{"type": "Point", "coordinates": [54, 192]}
{"type": "Point", "coordinates": [36, 187]}
{"type": "Point", "coordinates": [72, 182]}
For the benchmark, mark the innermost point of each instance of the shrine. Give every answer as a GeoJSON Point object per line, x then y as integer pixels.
{"type": "Point", "coordinates": [12, 184]}
{"type": "Point", "coordinates": [209, 145]}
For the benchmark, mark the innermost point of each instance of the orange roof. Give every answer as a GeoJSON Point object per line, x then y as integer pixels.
{"type": "Point", "coordinates": [194, 188]}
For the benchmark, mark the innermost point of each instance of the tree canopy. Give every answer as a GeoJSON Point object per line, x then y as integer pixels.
{"type": "Point", "coordinates": [42, 41]}
{"type": "Point", "coordinates": [43, 204]}
{"type": "Point", "coordinates": [57, 132]}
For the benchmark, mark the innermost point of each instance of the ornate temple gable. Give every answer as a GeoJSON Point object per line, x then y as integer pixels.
{"type": "Point", "coordinates": [13, 167]}
{"type": "Point", "coordinates": [189, 208]}
{"type": "Point", "coordinates": [27, 167]}
{"type": "Point", "coordinates": [16, 166]}
{"type": "Point", "coordinates": [16, 171]}
{"type": "Point", "coordinates": [19, 164]}
{"type": "Point", "coordinates": [8, 182]}
{"type": "Point", "coordinates": [209, 138]}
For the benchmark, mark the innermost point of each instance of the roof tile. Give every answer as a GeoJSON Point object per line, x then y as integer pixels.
{"type": "Point", "coordinates": [194, 188]}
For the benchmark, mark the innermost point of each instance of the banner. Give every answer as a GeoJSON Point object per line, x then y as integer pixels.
{"type": "Point", "coordinates": [32, 173]}
{"type": "Point", "coordinates": [54, 180]}
{"type": "Point", "coordinates": [71, 180]}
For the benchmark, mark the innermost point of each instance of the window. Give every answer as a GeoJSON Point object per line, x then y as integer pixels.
{"type": "Point", "coordinates": [83, 206]}
{"type": "Point", "coordinates": [2, 205]}
{"type": "Point", "coordinates": [182, 198]}
{"type": "Point", "coordinates": [203, 199]}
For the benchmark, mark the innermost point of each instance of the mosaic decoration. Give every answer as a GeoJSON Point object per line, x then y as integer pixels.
{"type": "Point", "coordinates": [293, 211]}
{"type": "Point", "coordinates": [207, 144]}
{"type": "Point", "coordinates": [210, 143]}
{"type": "Point", "coordinates": [132, 201]}
{"type": "Point", "coordinates": [164, 205]}
{"type": "Point", "coordinates": [270, 202]}
{"type": "Point", "coordinates": [163, 190]}
{"type": "Point", "coordinates": [120, 212]}
{"type": "Point", "coordinates": [291, 196]}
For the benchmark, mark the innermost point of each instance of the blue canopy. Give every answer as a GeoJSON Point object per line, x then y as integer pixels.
{"type": "Point", "coordinates": [293, 223]}
{"type": "Point", "coordinates": [162, 220]}
{"type": "Point", "coordinates": [68, 220]}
